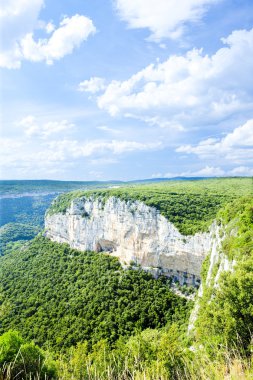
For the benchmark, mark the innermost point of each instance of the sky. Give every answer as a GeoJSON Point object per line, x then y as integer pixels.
{"type": "Point", "coordinates": [126, 89]}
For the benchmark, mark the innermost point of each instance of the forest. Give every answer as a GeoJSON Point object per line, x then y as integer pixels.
{"type": "Point", "coordinates": [59, 295]}
{"type": "Point", "coordinates": [67, 314]}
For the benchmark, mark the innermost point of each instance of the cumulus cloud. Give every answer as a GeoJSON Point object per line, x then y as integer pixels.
{"type": "Point", "coordinates": [71, 33]}
{"type": "Point", "coordinates": [32, 127]}
{"type": "Point", "coordinates": [236, 146]}
{"type": "Point", "coordinates": [93, 85]}
{"type": "Point", "coordinates": [19, 20]}
{"type": "Point", "coordinates": [188, 90]}
{"type": "Point", "coordinates": [164, 18]}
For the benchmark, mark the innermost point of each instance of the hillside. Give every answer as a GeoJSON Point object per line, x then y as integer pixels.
{"type": "Point", "coordinates": [225, 312]}
{"type": "Point", "coordinates": [101, 321]}
{"type": "Point", "coordinates": [60, 296]}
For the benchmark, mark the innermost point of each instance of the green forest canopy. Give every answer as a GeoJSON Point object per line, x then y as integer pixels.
{"type": "Point", "coordinates": [220, 347]}
{"type": "Point", "coordinates": [86, 305]}
{"type": "Point", "coordinates": [58, 295]}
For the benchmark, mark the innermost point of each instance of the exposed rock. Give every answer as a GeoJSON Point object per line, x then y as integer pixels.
{"type": "Point", "coordinates": [133, 232]}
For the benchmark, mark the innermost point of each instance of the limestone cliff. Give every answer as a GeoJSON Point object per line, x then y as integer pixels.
{"type": "Point", "coordinates": [133, 232]}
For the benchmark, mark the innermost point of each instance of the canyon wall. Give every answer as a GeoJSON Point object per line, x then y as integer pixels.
{"type": "Point", "coordinates": [133, 232]}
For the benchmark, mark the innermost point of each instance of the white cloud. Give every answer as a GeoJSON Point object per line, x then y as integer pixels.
{"type": "Point", "coordinates": [161, 122]}
{"type": "Point", "coordinates": [71, 33]}
{"type": "Point", "coordinates": [9, 150]}
{"type": "Point", "coordinates": [93, 85]}
{"type": "Point", "coordinates": [236, 146]}
{"type": "Point", "coordinates": [103, 161]}
{"type": "Point", "coordinates": [44, 157]}
{"type": "Point", "coordinates": [164, 18]}
{"type": "Point", "coordinates": [19, 20]}
{"type": "Point", "coordinates": [47, 147]}
{"type": "Point", "coordinates": [49, 27]}
{"type": "Point", "coordinates": [32, 127]}
{"type": "Point", "coordinates": [242, 171]}
{"type": "Point", "coordinates": [104, 128]}
{"type": "Point", "coordinates": [209, 171]}
{"type": "Point", "coordinates": [189, 90]}
{"type": "Point", "coordinates": [77, 149]}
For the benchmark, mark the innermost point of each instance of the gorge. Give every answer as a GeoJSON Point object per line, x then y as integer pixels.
{"type": "Point", "coordinates": [104, 278]}
{"type": "Point", "coordinates": [135, 233]}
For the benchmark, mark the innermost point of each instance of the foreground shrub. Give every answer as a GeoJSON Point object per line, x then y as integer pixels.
{"type": "Point", "coordinates": [21, 360]}
{"type": "Point", "coordinates": [152, 355]}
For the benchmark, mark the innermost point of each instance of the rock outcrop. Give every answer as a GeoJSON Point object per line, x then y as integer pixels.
{"type": "Point", "coordinates": [133, 232]}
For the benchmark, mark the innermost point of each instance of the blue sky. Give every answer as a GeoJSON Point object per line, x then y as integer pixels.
{"type": "Point", "coordinates": [126, 89]}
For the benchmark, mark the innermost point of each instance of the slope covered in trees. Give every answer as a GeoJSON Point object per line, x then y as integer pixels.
{"type": "Point", "coordinates": [226, 308]}
{"type": "Point", "coordinates": [102, 322]}
{"type": "Point", "coordinates": [11, 234]}
{"type": "Point", "coordinates": [58, 295]}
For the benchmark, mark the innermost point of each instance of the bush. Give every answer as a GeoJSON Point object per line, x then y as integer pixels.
{"type": "Point", "coordinates": [21, 360]}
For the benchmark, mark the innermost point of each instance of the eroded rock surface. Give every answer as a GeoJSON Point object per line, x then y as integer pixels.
{"type": "Point", "coordinates": [133, 232]}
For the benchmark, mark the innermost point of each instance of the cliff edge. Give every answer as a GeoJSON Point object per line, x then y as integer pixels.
{"type": "Point", "coordinates": [133, 232]}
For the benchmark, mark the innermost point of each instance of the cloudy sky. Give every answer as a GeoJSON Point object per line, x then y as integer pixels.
{"type": "Point", "coordinates": [126, 89]}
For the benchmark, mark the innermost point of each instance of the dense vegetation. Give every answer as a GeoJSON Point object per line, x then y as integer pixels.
{"type": "Point", "coordinates": [23, 360]}
{"type": "Point", "coordinates": [221, 345]}
{"type": "Point", "coordinates": [190, 205]}
{"type": "Point", "coordinates": [149, 355]}
{"type": "Point", "coordinates": [226, 311]}
{"type": "Point", "coordinates": [15, 233]}
{"type": "Point", "coordinates": [21, 218]}
{"type": "Point", "coordinates": [25, 210]}
{"type": "Point", "coordinates": [61, 296]}
{"type": "Point", "coordinates": [11, 188]}
{"type": "Point", "coordinates": [102, 322]}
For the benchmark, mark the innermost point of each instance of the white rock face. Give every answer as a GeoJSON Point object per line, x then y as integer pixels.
{"type": "Point", "coordinates": [131, 231]}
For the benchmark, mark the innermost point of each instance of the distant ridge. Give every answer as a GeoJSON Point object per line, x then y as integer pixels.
{"type": "Point", "coordinates": [47, 186]}
{"type": "Point", "coordinates": [169, 179]}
